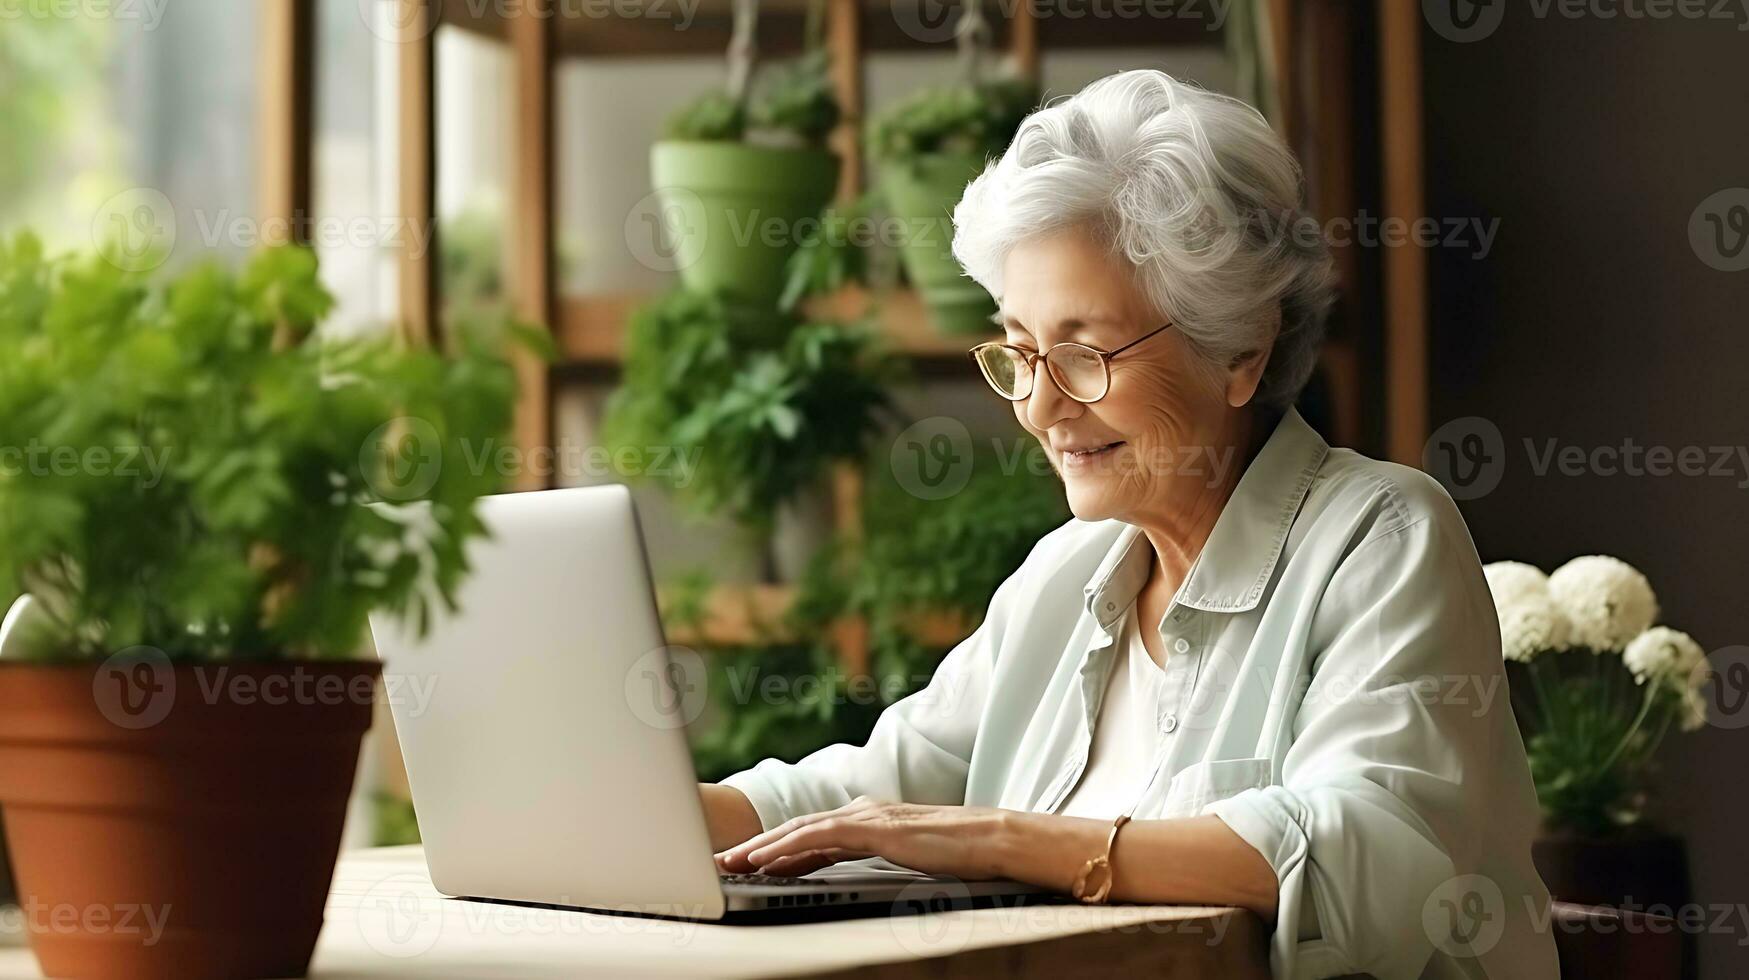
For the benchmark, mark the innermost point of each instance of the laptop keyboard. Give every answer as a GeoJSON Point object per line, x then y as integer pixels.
{"type": "Point", "coordinates": [759, 879]}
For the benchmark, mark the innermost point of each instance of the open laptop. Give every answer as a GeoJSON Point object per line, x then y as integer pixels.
{"type": "Point", "coordinates": [543, 726]}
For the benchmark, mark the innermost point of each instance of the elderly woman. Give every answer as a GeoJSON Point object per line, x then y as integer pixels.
{"type": "Point", "coordinates": [1253, 670]}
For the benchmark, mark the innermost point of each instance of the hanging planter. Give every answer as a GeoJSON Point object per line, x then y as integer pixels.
{"type": "Point", "coordinates": [741, 173]}
{"type": "Point", "coordinates": [928, 148]}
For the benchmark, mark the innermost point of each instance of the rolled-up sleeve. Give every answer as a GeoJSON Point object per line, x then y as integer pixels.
{"type": "Point", "coordinates": [1372, 813]}
{"type": "Point", "coordinates": [919, 752]}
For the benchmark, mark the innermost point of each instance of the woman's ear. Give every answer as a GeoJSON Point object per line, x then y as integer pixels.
{"type": "Point", "coordinates": [1245, 371]}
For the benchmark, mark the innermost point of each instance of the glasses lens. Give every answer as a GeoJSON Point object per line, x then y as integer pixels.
{"type": "Point", "coordinates": [1005, 369]}
{"type": "Point", "coordinates": [1079, 371]}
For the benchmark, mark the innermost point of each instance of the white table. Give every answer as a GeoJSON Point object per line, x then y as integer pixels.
{"type": "Point", "coordinates": [385, 920]}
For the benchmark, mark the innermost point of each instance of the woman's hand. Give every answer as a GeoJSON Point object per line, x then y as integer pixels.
{"type": "Point", "coordinates": [962, 841]}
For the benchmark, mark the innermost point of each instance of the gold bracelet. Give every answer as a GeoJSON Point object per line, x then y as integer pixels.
{"type": "Point", "coordinates": [1101, 866]}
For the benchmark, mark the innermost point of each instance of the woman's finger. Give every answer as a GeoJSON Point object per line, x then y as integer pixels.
{"type": "Point", "coordinates": [839, 832]}
{"type": "Point", "coordinates": [796, 865]}
{"type": "Point", "coordinates": [734, 860]}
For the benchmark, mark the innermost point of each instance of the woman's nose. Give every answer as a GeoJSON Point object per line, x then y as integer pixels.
{"type": "Point", "coordinates": [1047, 405]}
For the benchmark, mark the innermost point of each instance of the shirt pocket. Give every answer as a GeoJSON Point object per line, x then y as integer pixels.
{"type": "Point", "coordinates": [1196, 786]}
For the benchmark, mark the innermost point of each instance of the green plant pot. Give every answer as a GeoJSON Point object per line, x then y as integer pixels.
{"type": "Point", "coordinates": [734, 214]}
{"type": "Point", "coordinates": [922, 194]}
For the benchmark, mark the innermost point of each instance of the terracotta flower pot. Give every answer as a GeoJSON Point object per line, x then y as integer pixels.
{"type": "Point", "coordinates": [177, 821]}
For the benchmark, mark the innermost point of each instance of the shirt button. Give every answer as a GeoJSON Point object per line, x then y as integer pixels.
{"type": "Point", "coordinates": [1181, 645]}
{"type": "Point", "coordinates": [1110, 606]}
{"type": "Point", "coordinates": [1169, 724]}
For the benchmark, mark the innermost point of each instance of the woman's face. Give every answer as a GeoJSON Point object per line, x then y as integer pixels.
{"type": "Point", "coordinates": [1165, 422]}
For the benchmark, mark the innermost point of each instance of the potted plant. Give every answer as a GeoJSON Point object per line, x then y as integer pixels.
{"type": "Point", "coordinates": [186, 481]}
{"type": "Point", "coordinates": [740, 173]}
{"type": "Point", "coordinates": [1596, 688]}
{"type": "Point", "coordinates": [926, 149]}
{"type": "Point", "coordinates": [759, 401]}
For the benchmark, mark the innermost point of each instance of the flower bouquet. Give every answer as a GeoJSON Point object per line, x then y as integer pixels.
{"type": "Point", "coordinates": [1598, 685]}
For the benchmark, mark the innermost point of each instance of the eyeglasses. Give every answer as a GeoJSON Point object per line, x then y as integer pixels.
{"type": "Point", "coordinates": [1082, 372]}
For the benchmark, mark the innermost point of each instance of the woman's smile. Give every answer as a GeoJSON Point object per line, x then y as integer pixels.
{"type": "Point", "coordinates": [1084, 457]}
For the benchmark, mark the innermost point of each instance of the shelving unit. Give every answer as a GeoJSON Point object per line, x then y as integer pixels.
{"type": "Point", "coordinates": [1315, 89]}
{"type": "Point", "coordinates": [1355, 122]}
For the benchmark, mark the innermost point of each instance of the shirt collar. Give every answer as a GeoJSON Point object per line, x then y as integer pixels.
{"type": "Point", "coordinates": [1239, 558]}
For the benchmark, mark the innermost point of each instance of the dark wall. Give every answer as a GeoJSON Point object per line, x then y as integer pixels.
{"type": "Point", "coordinates": [1592, 321]}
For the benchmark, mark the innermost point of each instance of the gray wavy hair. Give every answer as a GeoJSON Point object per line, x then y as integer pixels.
{"type": "Point", "coordinates": [1195, 190]}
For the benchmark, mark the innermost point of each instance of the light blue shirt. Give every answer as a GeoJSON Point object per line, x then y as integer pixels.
{"type": "Point", "coordinates": [1333, 691]}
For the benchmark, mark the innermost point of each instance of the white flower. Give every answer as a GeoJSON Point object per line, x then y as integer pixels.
{"type": "Point", "coordinates": [1607, 601]}
{"type": "Point", "coordinates": [1510, 581]}
{"type": "Point", "coordinates": [1532, 624]}
{"type": "Point", "coordinates": [1664, 654]}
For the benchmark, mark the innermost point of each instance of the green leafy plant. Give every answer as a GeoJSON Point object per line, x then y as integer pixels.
{"type": "Point", "coordinates": [833, 256]}
{"type": "Point", "coordinates": [714, 116]}
{"type": "Point", "coordinates": [917, 557]}
{"type": "Point", "coordinates": [763, 401]}
{"type": "Point", "coordinates": [977, 119]}
{"type": "Point", "coordinates": [186, 465]}
{"type": "Point", "coordinates": [791, 103]}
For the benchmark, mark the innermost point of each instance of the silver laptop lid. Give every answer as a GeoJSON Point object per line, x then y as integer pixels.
{"type": "Point", "coordinates": [548, 758]}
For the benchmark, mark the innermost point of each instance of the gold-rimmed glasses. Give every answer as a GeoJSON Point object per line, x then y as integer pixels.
{"type": "Point", "coordinates": [1082, 372]}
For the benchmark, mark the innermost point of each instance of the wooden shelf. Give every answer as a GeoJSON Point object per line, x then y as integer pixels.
{"type": "Point", "coordinates": [746, 614]}
{"type": "Point", "coordinates": [781, 27]}
{"type": "Point", "coordinates": [591, 329]}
